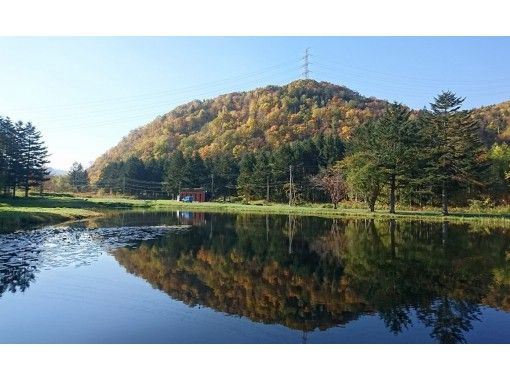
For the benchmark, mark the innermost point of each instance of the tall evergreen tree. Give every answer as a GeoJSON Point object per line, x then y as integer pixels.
{"type": "Point", "coordinates": [261, 177]}
{"type": "Point", "coordinates": [11, 153]}
{"type": "Point", "coordinates": [111, 177]}
{"type": "Point", "coordinates": [198, 174]}
{"type": "Point", "coordinates": [331, 149]}
{"type": "Point", "coordinates": [78, 177]}
{"type": "Point", "coordinates": [175, 175]}
{"type": "Point", "coordinates": [245, 184]}
{"type": "Point", "coordinates": [387, 145]}
{"type": "Point", "coordinates": [456, 155]}
{"type": "Point", "coordinates": [395, 148]}
{"type": "Point", "coordinates": [154, 170]}
{"type": "Point", "coordinates": [224, 171]}
{"type": "Point", "coordinates": [280, 161]}
{"type": "Point", "coordinates": [33, 157]}
{"type": "Point", "coordinates": [4, 140]}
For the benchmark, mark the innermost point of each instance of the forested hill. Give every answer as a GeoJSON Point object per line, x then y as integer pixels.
{"type": "Point", "coordinates": [494, 121]}
{"type": "Point", "coordinates": [266, 118]}
{"type": "Point", "coordinates": [247, 121]}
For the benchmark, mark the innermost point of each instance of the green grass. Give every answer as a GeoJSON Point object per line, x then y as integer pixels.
{"type": "Point", "coordinates": [23, 212]}
{"type": "Point", "coordinates": [326, 210]}
{"type": "Point", "coordinates": [36, 211]}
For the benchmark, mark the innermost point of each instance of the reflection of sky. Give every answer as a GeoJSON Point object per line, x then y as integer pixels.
{"type": "Point", "coordinates": [88, 297]}
{"type": "Point", "coordinates": [56, 247]}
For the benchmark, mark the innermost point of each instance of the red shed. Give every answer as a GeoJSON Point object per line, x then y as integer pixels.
{"type": "Point", "coordinates": [198, 195]}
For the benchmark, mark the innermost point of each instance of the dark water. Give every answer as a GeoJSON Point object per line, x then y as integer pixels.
{"type": "Point", "coordinates": [194, 277]}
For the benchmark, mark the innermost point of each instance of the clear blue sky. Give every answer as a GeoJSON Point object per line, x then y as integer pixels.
{"type": "Point", "coordinates": [85, 94]}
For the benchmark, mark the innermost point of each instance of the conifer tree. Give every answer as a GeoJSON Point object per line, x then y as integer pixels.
{"type": "Point", "coordinates": [245, 179]}
{"type": "Point", "coordinates": [11, 154]}
{"type": "Point", "coordinates": [261, 177]}
{"type": "Point", "coordinates": [394, 146]}
{"type": "Point", "coordinates": [281, 160]}
{"type": "Point", "coordinates": [4, 140]}
{"type": "Point", "coordinates": [33, 157]}
{"type": "Point", "coordinates": [198, 175]}
{"type": "Point", "coordinates": [111, 177]}
{"type": "Point", "coordinates": [456, 155]}
{"type": "Point", "coordinates": [223, 170]}
{"type": "Point", "coordinates": [174, 175]}
{"type": "Point", "coordinates": [78, 177]}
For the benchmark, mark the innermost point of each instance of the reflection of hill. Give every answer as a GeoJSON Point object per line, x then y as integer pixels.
{"type": "Point", "coordinates": [308, 273]}
{"type": "Point", "coordinates": [262, 291]}
{"type": "Point", "coordinates": [499, 292]}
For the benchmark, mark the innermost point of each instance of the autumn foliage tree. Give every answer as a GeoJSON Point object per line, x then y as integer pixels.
{"type": "Point", "coordinates": [332, 181]}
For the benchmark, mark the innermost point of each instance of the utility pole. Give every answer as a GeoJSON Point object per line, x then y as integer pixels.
{"type": "Point", "coordinates": [290, 185]}
{"type": "Point", "coordinates": [290, 232]}
{"type": "Point", "coordinates": [212, 186]}
{"type": "Point", "coordinates": [267, 189]}
{"type": "Point", "coordinates": [306, 64]}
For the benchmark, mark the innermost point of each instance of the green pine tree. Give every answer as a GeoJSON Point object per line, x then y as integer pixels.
{"type": "Point", "coordinates": [394, 147]}
{"type": "Point", "coordinates": [33, 157]}
{"type": "Point", "coordinates": [174, 173]}
{"type": "Point", "coordinates": [78, 177]}
{"type": "Point", "coordinates": [245, 180]}
{"type": "Point", "coordinates": [261, 177]}
{"type": "Point", "coordinates": [455, 152]}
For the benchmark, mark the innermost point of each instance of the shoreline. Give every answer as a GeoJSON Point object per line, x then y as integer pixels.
{"type": "Point", "coordinates": [39, 211]}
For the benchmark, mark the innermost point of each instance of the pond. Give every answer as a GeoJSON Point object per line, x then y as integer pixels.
{"type": "Point", "coordinates": [183, 277]}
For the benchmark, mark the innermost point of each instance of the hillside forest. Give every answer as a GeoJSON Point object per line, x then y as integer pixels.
{"type": "Point", "coordinates": [308, 142]}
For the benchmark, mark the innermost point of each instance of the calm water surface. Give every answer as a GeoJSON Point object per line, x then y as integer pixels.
{"type": "Point", "coordinates": [194, 277]}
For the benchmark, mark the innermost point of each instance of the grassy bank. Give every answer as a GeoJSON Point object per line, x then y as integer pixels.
{"type": "Point", "coordinates": [23, 212]}
{"type": "Point", "coordinates": [501, 215]}
{"type": "Point", "coordinates": [32, 212]}
{"type": "Point", "coordinates": [12, 218]}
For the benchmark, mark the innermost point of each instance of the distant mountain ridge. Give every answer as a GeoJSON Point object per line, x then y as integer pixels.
{"type": "Point", "coordinates": [265, 118]}
{"type": "Point", "coordinates": [55, 171]}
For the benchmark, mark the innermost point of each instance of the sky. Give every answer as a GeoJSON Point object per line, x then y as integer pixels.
{"type": "Point", "coordinates": [85, 93]}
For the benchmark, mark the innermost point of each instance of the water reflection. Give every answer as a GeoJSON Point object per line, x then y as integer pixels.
{"type": "Point", "coordinates": [301, 272]}
{"type": "Point", "coordinates": [24, 253]}
{"type": "Point", "coordinates": [311, 273]}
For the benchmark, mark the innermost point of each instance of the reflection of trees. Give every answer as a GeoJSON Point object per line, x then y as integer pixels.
{"type": "Point", "coordinates": [449, 319]}
{"type": "Point", "coordinates": [499, 293]}
{"type": "Point", "coordinates": [24, 254]}
{"type": "Point", "coordinates": [18, 267]}
{"type": "Point", "coordinates": [399, 267]}
{"type": "Point", "coordinates": [248, 275]}
{"type": "Point", "coordinates": [16, 278]}
{"type": "Point", "coordinates": [396, 269]}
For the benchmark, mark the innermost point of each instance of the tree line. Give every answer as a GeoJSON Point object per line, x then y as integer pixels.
{"type": "Point", "coordinates": [434, 156]}
{"type": "Point", "coordinates": [431, 157]}
{"type": "Point", "coordinates": [260, 175]}
{"type": "Point", "coordinates": [23, 157]}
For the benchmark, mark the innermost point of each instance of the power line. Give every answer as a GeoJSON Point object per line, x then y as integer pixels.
{"type": "Point", "coordinates": [306, 64]}
{"type": "Point", "coordinates": [403, 83]}
{"type": "Point", "coordinates": [390, 76]}
{"type": "Point", "coordinates": [185, 89]}
{"type": "Point", "coordinates": [75, 119]}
